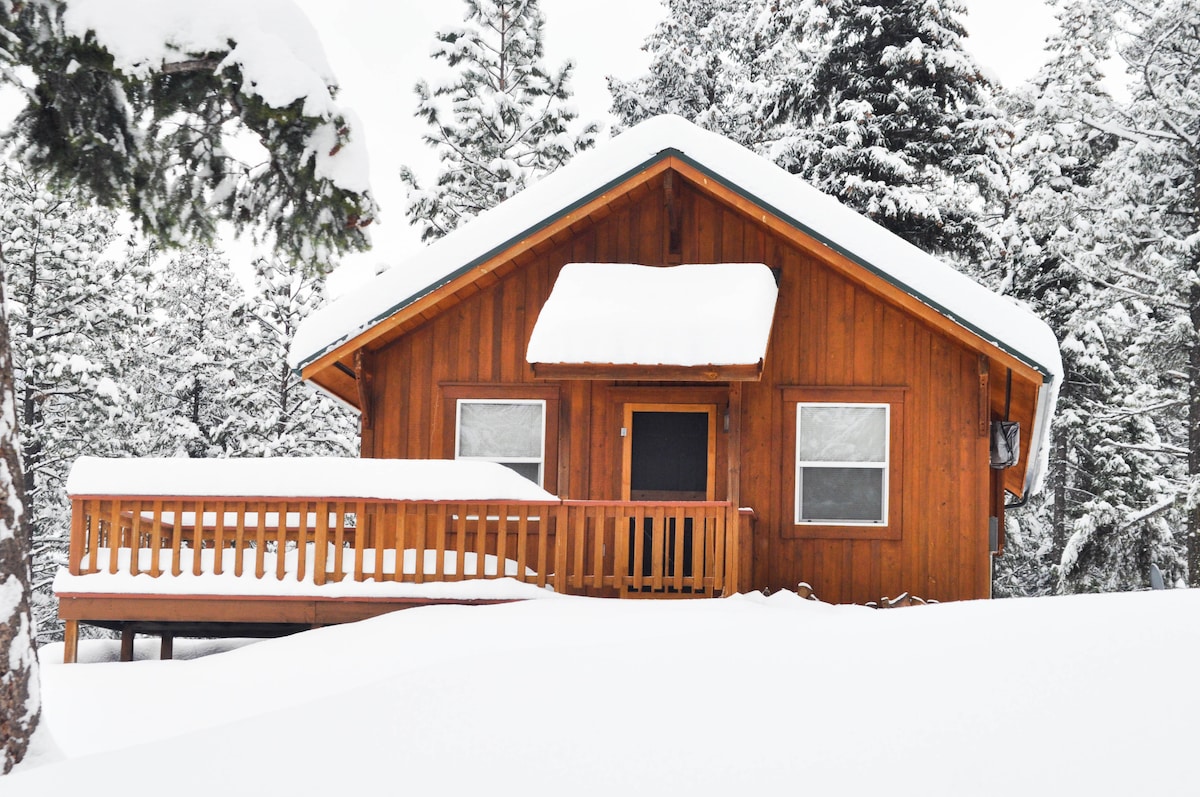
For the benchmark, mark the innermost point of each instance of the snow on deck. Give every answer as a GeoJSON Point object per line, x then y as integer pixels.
{"type": "Point", "coordinates": [474, 586]}
{"type": "Point", "coordinates": [626, 314]}
{"type": "Point", "coordinates": [304, 477]}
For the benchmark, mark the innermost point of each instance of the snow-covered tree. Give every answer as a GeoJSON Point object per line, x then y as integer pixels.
{"type": "Point", "coordinates": [143, 122]}
{"type": "Point", "coordinates": [284, 416]}
{"type": "Point", "coordinates": [503, 119]}
{"type": "Point", "coordinates": [896, 120]}
{"type": "Point", "coordinates": [1152, 231]}
{"type": "Point", "coordinates": [197, 355]}
{"type": "Point", "coordinates": [70, 311]}
{"type": "Point", "coordinates": [708, 61]}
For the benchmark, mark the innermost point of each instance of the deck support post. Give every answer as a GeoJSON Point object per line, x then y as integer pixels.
{"type": "Point", "coordinates": [127, 642]}
{"type": "Point", "coordinates": [71, 642]}
{"type": "Point", "coordinates": [166, 650]}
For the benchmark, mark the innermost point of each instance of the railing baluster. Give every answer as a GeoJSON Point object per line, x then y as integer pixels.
{"type": "Point", "coordinates": [502, 541]}
{"type": "Point", "coordinates": [561, 540]}
{"type": "Point", "coordinates": [396, 513]}
{"type": "Point", "coordinates": [281, 540]}
{"type": "Point", "coordinates": [579, 545]}
{"type": "Point", "coordinates": [596, 515]}
{"type": "Point", "coordinates": [543, 544]}
{"type": "Point", "coordinates": [219, 539]}
{"type": "Point", "coordinates": [639, 545]}
{"type": "Point", "coordinates": [339, 541]}
{"type": "Point", "coordinates": [135, 517]}
{"type": "Point", "coordinates": [658, 542]}
{"type": "Point", "coordinates": [156, 535]}
{"type": "Point", "coordinates": [260, 540]}
{"type": "Point", "coordinates": [480, 541]}
{"type": "Point", "coordinates": [421, 515]}
{"type": "Point", "coordinates": [197, 536]}
{"type": "Point", "coordinates": [460, 542]}
{"type": "Point", "coordinates": [718, 551]}
{"type": "Point", "coordinates": [239, 538]}
{"type": "Point", "coordinates": [523, 543]}
{"type": "Point", "coordinates": [677, 558]}
{"type": "Point", "coordinates": [439, 544]}
{"type": "Point", "coordinates": [360, 539]}
{"type": "Point", "coordinates": [78, 536]}
{"type": "Point", "coordinates": [321, 543]}
{"type": "Point", "coordinates": [114, 534]}
{"type": "Point", "coordinates": [177, 539]}
{"type": "Point", "coordinates": [620, 549]}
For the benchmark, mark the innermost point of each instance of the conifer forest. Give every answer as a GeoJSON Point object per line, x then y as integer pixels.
{"type": "Point", "coordinates": [1076, 193]}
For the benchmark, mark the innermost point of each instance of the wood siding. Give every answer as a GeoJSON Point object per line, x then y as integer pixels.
{"type": "Point", "coordinates": [829, 331]}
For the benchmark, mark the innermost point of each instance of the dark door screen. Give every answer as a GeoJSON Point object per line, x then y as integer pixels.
{"type": "Point", "coordinates": [669, 456]}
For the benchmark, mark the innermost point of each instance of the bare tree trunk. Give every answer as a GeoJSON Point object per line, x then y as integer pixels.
{"type": "Point", "coordinates": [1193, 426]}
{"type": "Point", "coordinates": [20, 700]}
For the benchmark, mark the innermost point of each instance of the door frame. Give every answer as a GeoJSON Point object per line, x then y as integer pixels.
{"type": "Point", "coordinates": [629, 408]}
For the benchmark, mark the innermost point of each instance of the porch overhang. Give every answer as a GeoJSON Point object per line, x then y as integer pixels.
{"type": "Point", "coordinates": [689, 323]}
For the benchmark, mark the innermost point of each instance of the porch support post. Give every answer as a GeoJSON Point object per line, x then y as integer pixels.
{"type": "Point", "coordinates": [733, 491]}
{"type": "Point", "coordinates": [166, 650]}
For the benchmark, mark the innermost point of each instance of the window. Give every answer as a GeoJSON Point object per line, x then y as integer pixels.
{"type": "Point", "coordinates": [842, 457]}
{"type": "Point", "coordinates": [509, 431]}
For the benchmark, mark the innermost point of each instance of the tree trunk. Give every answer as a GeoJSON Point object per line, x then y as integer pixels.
{"type": "Point", "coordinates": [1193, 427]}
{"type": "Point", "coordinates": [20, 700]}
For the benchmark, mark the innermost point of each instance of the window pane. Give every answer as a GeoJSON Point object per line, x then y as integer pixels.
{"type": "Point", "coordinates": [841, 494]}
{"type": "Point", "coordinates": [843, 434]}
{"type": "Point", "coordinates": [530, 470]}
{"type": "Point", "coordinates": [500, 430]}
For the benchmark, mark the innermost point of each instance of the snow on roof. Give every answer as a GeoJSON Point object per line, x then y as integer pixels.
{"type": "Point", "coordinates": [304, 477]}
{"type": "Point", "coordinates": [626, 314]}
{"type": "Point", "coordinates": [997, 319]}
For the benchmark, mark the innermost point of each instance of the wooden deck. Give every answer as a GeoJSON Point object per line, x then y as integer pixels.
{"type": "Point", "coordinates": [261, 566]}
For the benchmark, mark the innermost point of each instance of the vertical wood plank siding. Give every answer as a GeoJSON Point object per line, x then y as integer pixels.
{"type": "Point", "coordinates": [828, 331]}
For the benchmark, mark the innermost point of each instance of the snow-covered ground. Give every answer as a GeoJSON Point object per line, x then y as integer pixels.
{"type": "Point", "coordinates": [1077, 695]}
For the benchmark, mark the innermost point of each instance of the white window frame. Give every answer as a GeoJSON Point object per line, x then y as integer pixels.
{"type": "Point", "coordinates": [884, 465]}
{"type": "Point", "coordinates": [540, 459]}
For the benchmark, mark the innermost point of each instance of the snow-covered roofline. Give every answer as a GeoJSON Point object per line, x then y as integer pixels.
{"type": "Point", "coordinates": [997, 320]}
{"type": "Point", "coordinates": [303, 477]}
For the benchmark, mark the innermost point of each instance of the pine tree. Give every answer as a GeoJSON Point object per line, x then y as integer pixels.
{"type": "Point", "coordinates": [198, 353]}
{"type": "Point", "coordinates": [508, 122]}
{"type": "Point", "coordinates": [68, 308]}
{"type": "Point", "coordinates": [1153, 176]}
{"type": "Point", "coordinates": [283, 415]}
{"type": "Point", "coordinates": [147, 130]}
{"type": "Point", "coordinates": [895, 119]}
{"type": "Point", "coordinates": [708, 57]}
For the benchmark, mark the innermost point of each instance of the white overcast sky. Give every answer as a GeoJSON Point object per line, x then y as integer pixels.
{"type": "Point", "coordinates": [379, 48]}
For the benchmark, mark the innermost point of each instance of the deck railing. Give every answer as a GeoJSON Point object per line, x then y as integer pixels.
{"type": "Point", "coordinates": [580, 547]}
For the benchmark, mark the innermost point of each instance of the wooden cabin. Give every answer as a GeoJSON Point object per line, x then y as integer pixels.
{"type": "Point", "coordinates": [722, 379]}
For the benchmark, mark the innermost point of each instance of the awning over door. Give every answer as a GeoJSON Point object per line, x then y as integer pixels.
{"type": "Point", "coordinates": [679, 323]}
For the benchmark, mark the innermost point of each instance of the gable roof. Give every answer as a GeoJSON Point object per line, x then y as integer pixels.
{"type": "Point", "coordinates": [763, 190]}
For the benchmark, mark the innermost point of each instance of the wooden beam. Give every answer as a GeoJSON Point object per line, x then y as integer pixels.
{"type": "Point", "coordinates": [649, 373]}
{"type": "Point", "coordinates": [364, 378]}
{"type": "Point", "coordinates": [984, 396]}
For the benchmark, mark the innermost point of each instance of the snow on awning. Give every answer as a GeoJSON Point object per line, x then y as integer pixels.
{"type": "Point", "coordinates": [625, 321]}
{"type": "Point", "coordinates": [303, 477]}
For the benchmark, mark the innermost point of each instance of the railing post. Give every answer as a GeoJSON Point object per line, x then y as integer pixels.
{"type": "Point", "coordinates": [78, 529]}
{"type": "Point", "coordinates": [561, 534]}
{"type": "Point", "coordinates": [321, 543]}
